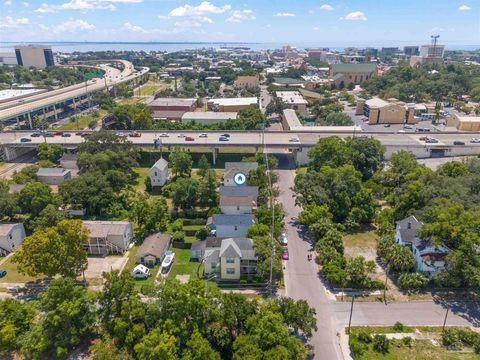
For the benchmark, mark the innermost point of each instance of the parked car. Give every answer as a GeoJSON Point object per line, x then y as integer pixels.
{"type": "Point", "coordinates": [3, 273]}
{"type": "Point", "coordinates": [285, 254]}
{"type": "Point", "coordinates": [223, 138]}
{"type": "Point", "coordinates": [66, 134]}
{"type": "Point", "coordinates": [25, 140]}
{"type": "Point", "coordinates": [458, 142]}
{"type": "Point", "coordinates": [189, 138]}
{"type": "Point", "coordinates": [284, 239]}
{"type": "Point", "coordinates": [203, 135]}
{"type": "Point", "coordinates": [163, 135]}
{"type": "Point", "coordinates": [475, 140]}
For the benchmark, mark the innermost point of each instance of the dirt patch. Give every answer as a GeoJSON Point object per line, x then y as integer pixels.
{"type": "Point", "coordinates": [98, 265]}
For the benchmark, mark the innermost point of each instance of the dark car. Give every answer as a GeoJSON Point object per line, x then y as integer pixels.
{"type": "Point", "coordinates": [25, 140]}
{"type": "Point", "coordinates": [226, 135]}
{"type": "Point", "coordinates": [458, 142]}
{"type": "Point", "coordinates": [36, 134]}
{"type": "Point", "coordinates": [48, 134]}
{"type": "Point", "coordinates": [223, 138]}
{"type": "Point", "coordinates": [80, 133]}
{"type": "Point", "coordinates": [3, 273]}
{"type": "Point", "coordinates": [66, 134]}
{"type": "Point", "coordinates": [135, 134]}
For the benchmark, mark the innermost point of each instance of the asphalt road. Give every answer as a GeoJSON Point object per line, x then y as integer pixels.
{"type": "Point", "coordinates": [301, 276]}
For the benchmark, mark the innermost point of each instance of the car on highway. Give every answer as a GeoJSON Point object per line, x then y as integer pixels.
{"type": "Point", "coordinates": [25, 140]}
{"type": "Point", "coordinates": [66, 135]}
{"type": "Point", "coordinates": [135, 134]}
{"type": "Point", "coordinates": [36, 134]}
{"type": "Point", "coordinates": [163, 135]}
{"type": "Point", "coordinates": [387, 125]}
{"type": "Point", "coordinates": [58, 133]}
{"type": "Point", "coordinates": [409, 127]}
{"type": "Point", "coordinates": [431, 141]}
{"type": "Point", "coordinates": [475, 140]}
{"type": "Point", "coordinates": [189, 138]}
{"type": "Point", "coordinates": [3, 273]}
{"type": "Point", "coordinates": [285, 254]}
{"type": "Point", "coordinates": [223, 138]}
{"type": "Point", "coordinates": [422, 129]}
{"type": "Point", "coordinates": [181, 135]}
{"type": "Point", "coordinates": [226, 135]}
{"type": "Point", "coordinates": [47, 134]}
{"type": "Point", "coordinates": [423, 138]}
{"type": "Point", "coordinates": [203, 135]}
{"type": "Point", "coordinates": [458, 142]}
{"type": "Point", "coordinates": [79, 133]}
{"type": "Point", "coordinates": [294, 139]}
{"type": "Point", "coordinates": [284, 239]}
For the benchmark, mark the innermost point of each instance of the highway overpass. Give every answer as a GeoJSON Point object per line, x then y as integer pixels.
{"type": "Point", "coordinates": [44, 101]}
{"type": "Point", "coordinates": [275, 141]}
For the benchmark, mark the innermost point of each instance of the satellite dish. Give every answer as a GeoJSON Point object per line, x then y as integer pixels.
{"type": "Point", "coordinates": [240, 178]}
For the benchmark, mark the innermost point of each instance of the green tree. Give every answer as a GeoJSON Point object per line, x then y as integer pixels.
{"type": "Point", "coordinates": [8, 202]}
{"type": "Point", "coordinates": [181, 163]}
{"type": "Point", "coordinates": [203, 166]}
{"type": "Point", "coordinates": [453, 169]}
{"type": "Point", "coordinates": [157, 345]}
{"type": "Point", "coordinates": [54, 251]}
{"type": "Point", "coordinates": [381, 344]}
{"type": "Point", "coordinates": [51, 152]}
{"type": "Point", "coordinates": [400, 258]}
{"type": "Point", "coordinates": [184, 192]}
{"type": "Point", "coordinates": [298, 315]}
{"type": "Point", "coordinates": [338, 119]}
{"type": "Point", "coordinates": [15, 319]}
{"type": "Point", "coordinates": [412, 281]}
{"type": "Point", "coordinates": [35, 197]}
{"type": "Point", "coordinates": [149, 214]}
{"type": "Point", "coordinates": [199, 348]}
{"type": "Point", "coordinates": [208, 196]}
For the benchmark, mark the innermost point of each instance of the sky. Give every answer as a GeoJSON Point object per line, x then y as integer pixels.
{"type": "Point", "coordinates": [347, 22]}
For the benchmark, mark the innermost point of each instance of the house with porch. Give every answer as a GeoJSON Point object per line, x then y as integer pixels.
{"type": "Point", "coordinates": [11, 237]}
{"type": "Point", "coordinates": [108, 237]}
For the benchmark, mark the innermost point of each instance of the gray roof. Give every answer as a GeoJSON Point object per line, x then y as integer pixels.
{"type": "Point", "coordinates": [239, 220]}
{"type": "Point", "coordinates": [161, 164]}
{"type": "Point", "coordinates": [52, 172]}
{"type": "Point", "coordinates": [101, 229]}
{"type": "Point", "coordinates": [241, 165]}
{"type": "Point", "coordinates": [69, 157]}
{"type": "Point", "coordinates": [172, 102]}
{"type": "Point", "coordinates": [209, 115]}
{"type": "Point", "coordinates": [5, 228]}
{"type": "Point", "coordinates": [251, 191]}
{"type": "Point", "coordinates": [198, 245]}
{"type": "Point", "coordinates": [408, 228]}
{"type": "Point", "coordinates": [213, 242]}
{"type": "Point", "coordinates": [236, 201]}
{"type": "Point", "coordinates": [155, 244]}
{"type": "Point", "coordinates": [238, 247]}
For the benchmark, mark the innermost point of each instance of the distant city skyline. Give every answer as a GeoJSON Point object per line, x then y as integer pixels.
{"type": "Point", "coordinates": [348, 22]}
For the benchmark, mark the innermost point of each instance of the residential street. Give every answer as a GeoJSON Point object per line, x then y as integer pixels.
{"type": "Point", "coordinates": [302, 282]}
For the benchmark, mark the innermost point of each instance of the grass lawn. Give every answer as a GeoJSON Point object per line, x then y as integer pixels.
{"type": "Point", "coordinates": [13, 276]}
{"type": "Point", "coordinates": [182, 264]}
{"type": "Point", "coordinates": [142, 175]}
{"type": "Point", "coordinates": [82, 122]}
{"type": "Point", "coordinates": [301, 170]}
{"type": "Point", "coordinates": [132, 262]}
{"type": "Point", "coordinates": [129, 101]}
{"type": "Point", "coordinates": [361, 239]}
{"type": "Point", "coordinates": [149, 88]}
{"type": "Point", "coordinates": [420, 350]}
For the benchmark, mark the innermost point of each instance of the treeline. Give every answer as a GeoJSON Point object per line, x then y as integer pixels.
{"type": "Point", "coordinates": [50, 76]}
{"type": "Point", "coordinates": [173, 321]}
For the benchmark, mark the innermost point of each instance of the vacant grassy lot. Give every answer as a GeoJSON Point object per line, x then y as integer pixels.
{"type": "Point", "coordinates": [182, 264]}
{"type": "Point", "coordinates": [13, 276]}
{"type": "Point", "coordinates": [82, 122]}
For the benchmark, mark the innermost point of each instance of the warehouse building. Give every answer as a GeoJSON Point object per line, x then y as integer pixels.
{"type": "Point", "coordinates": [209, 117]}
{"type": "Point", "coordinates": [232, 104]}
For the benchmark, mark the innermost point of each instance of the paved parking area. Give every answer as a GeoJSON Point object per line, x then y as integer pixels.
{"type": "Point", "coordinates": [98, 265]}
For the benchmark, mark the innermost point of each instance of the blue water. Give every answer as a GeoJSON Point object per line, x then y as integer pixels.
{"type": "Point", "coordinates": [68, 47]}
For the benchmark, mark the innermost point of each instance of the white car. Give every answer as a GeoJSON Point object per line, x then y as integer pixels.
{"type": "Point", "coordinates": [410, 127]}
{"type": "Point", "coordinates": [203, 135]}
{"type": "Point", "coordinates": [475, 140]}
{"type": "Point", "coordinates": [163, 135]}
{"type": "Point", "coordinates": [294, 139]}
{"type": "Point", "coordinates": [181, 135]}
{"type": "Point", "coordinates": [284, 239]}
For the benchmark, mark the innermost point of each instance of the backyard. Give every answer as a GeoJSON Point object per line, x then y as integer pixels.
{"type": "Point", "coordinates": [82, 122]}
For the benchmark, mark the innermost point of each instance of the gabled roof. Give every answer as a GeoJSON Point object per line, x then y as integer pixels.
{"type": "Point", "coordinates": [241, 165]}
{"type": "Point", "coordinates": [5, 228]}
{"type": "Point", "coordinates": [408, 228]}
{"type": "Point", "coordinates": [236, 201]}
{"type": "Point", "coordinates": [347, 68]}
{"type": "Point", "coordinates": [238, 220]}
{"type": "Point", "coordinates": [251, 191]}
{"type": "Point", "coordinates": [160, 164]}
{"type": "Point", "coordinates": [155, 245]}
{"type": "Point", "coordinates": [238, 247]}
{"type": "Point", "coordinates": [229, 249]}
{"type": "Point", "coordinates": [52, 171]}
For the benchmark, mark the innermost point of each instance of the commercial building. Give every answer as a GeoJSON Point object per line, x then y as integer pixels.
{"type": "Point", "coordinates": [232, 104]}
{"type": "Point", "coordinates": [411, 50]}
{"type": "Point", "coordinates": [293, 100]}
{"type": "Point", "coordinates": [152, 251]}
{"type": "Point", "coordinates": [53, 176]}
{"type": "Point", "coordinates": [247, 82]}
{"type": "Point", "coordinates": [464, 123]}
{"type": "Point", "coordinates": [432, 50]}
{"type": "Point", "coordinates": [8, 58]}
{"type": "Point", "coordinates": [379, 111]}
{"type": "Point", "coordinates": [38, 56]}
{"type": "Point", "coordinates": [343, 75]}
{"type": "Point", "coordinates": [11, 237]}
{"type": "Point", "coordinates": [108, 237]}
{"type": "Point", "coordinates": [209, 117]}
{"type": "Point", "coordinates": [171, 108]}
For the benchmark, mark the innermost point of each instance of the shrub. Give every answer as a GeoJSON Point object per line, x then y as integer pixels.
{"type": "Point", "coordinates": [357, 347]}
{"type": "Point", "coordinates": [412, 281]}
{"type": "Point", "coordinates": [398, 327]}
{"type": "Point", "coordinates": [407, 341]}
{"type": "Point", "coordinates": [450, 339]}
{"type": "Point", "coordinates": [381, 344]}
{"type": "Point", "coordinates": [243, 281]}
{"type": "Point", "coordinates": [177, 225]}
{"type": "Point", "coordinates": [178, 236]}
{"type": "Point", "coordinates": [365, 337]}
{"type": "Point", "coordinates": [202, 234]}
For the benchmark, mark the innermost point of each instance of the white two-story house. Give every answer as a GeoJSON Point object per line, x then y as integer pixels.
{"type": "Point", "coordinates": [429, 257]}
{"type": "Point", "coordinates": [11, 237]}
{"type": "Point", "coordinates": [159, 173]}
{"type": "Point", "coordinates": [108, 237]}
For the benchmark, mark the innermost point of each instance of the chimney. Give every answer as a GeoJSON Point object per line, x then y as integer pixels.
{"type": "Point", "coordinates": [409, 225]}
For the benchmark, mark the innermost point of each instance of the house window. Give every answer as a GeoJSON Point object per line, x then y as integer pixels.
{"type": "Point", "coordinates": [230, 271]}
{"type": "Point", "coordinates": [155, 173]}
{"type": "Point", "coordinates": [142, 259]}
{"type": "Point", "coordinates": [230, 260]}
{"type": "Point", "coordinates": [236, 228]}
{"type": "Point", "coordinates": [213, 266]}
{"type": "Point", "coordinates": [238, 208]}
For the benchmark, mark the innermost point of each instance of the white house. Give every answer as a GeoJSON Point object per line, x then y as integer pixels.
{"type": "Point", "coordinates": [11, 237]}
{"type": "Point", "coordinates": [234, 259]}
{"type": "Point", "coordinates": [429, 257]}
{"type": "Point", "coordinates": [236, 205]}
{"type": "Point", "coordinates": [232, 225]}
{"type": "Point", "coordinates": [159, 173]}
{"type": "Point", "coordinates": [108, 237]}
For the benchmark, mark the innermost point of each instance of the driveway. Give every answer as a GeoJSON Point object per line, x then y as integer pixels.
{"type": "Point", "coordinates": [301, 276]}
{"type": "Point", "coordinates": [98, 265]}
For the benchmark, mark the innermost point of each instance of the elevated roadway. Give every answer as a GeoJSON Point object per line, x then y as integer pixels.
{"type": "Point", "coordinates": [15, 108]}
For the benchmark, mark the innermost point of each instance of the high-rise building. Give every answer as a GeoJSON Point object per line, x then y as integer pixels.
{"type": "Point", "coordinates": [432, 51]}
{"type": "Point", "coordinates": [38, 56]}
{"type": "Point", "coordinates": [411, 50]}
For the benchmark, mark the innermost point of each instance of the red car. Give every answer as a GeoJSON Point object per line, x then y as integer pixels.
{"type": "Point", "coordinates": [189, 138]}
{"type": "Point", "coordinates": [58, 133]}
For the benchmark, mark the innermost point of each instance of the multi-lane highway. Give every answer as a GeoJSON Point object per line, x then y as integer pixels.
{"type": "Point", "coordinates": [14, 108]}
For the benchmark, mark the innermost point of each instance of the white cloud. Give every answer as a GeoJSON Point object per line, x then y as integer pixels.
{"type": "Point", "coordinates": [135, 28]}
{"type": "Point", "coordinates": [285, 14]}
{"type": "Point", "coordinates": [326, 7]}
{"type": "Point", "coordinates": [316, 28]}
{"type": "Point", "coordinates": [8, 22]}
{"type": "Point", "coordinates": [237, 16]}
{"type": "Point", "coordinates": [464, 8]}
{"type": "Point", "coordinates": [163, 17]}
{"type": "Point", "coordinates": [356, 15]}
{"type": "Point", "coordinates": [311, 11]}
{"type": "Point", "coordinates": [205, 8]}
{"type": "Point", "coordinates": [86, 5]}
{"type": "Point", "coordinates": [74, 25]}
{"type": "Point", "coordinates": [26, 4]}
{"type": "Point", "coordinates": [7, 2]}
{"type": "Point", "coordinates": [45, 8]}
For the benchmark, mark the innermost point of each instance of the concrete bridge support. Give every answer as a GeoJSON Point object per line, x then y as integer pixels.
{"type": "Point", "coordinates": [11, 153]}
{"type": "Point", "coordinates": [214, 155]}
{"type": "Point", "coordinates": [30, 120]}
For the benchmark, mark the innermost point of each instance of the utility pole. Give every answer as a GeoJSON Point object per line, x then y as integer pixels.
{"type": "Point", "coordinates": [351, 313]}
{"type": "Point", "coordinates": [445, 320]}
{"type": "Point", "coordinates": [385, 286]}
